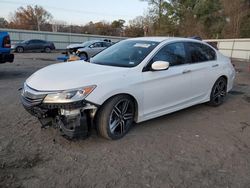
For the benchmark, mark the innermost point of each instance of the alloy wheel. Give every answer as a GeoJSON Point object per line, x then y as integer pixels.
{"type": "Point", "coordinates": [219, 92]}
{"type": "Point", "coordinates": [121, 117]}
{"type": "Point", "coordinates": [84, 56]}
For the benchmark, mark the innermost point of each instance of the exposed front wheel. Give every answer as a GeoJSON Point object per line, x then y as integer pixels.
{"type": "Point", "coordinates": [116, 117]}
{"type": "Point", "coordinates": [83, 56]}
{"type": "Point", "coordinates": [219, 92]}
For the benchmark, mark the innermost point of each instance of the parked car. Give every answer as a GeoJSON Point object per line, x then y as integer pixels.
{"type": "Point", "coordinates": [85, 50]}
{"type": "Point", "coordinates": [132, 81]}
{"type": "Point", "coordinates": [5, 51]}
{"type": "Point", "coordinates": [33, 45]}
{"type": "Point", "coordinates": [88, 49]}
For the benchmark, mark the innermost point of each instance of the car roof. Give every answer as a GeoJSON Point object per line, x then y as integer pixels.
{"type": "Point", "coordinates": [35, 39]}
{"type": "Point", "coordinates": [161, 39]}
{"type": "Point", "coordinates": [153, 39]}
{"type": "Point", "coordinates": [96, 41]}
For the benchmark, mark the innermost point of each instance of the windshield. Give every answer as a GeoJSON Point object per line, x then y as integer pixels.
{"type": "Point", "coordinates": [88, 43]}
{"type": "Point", "coordinates": [127, 53]}
{"type": "Point", "coordinates": [25, 41]}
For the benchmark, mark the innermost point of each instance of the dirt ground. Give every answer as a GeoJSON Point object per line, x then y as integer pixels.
{"type": "Point", "coordinates": [201, 146]}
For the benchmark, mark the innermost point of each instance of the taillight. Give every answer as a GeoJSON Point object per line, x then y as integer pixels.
{"type": "Point", "coordinates": [6, 42]}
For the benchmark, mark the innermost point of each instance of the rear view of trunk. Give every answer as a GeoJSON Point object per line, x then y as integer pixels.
{"type": "Point", "coordinates": [5, 51]}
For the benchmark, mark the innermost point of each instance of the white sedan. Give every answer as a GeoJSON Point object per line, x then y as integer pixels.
{"type": "Point", "coordinates": [132, 81]}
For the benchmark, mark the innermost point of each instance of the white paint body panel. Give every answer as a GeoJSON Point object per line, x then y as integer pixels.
{"type": "Point", "coordinates": [157, 93]}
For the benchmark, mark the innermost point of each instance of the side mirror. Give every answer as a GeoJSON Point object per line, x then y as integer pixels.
{"type": "Point", "coordinates": [160, 65]}
{"type": "Point", "coordinates": [91, 46]}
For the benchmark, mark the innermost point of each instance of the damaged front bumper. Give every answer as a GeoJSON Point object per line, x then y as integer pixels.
{"type": "Point", "coordinates": [73, 119]}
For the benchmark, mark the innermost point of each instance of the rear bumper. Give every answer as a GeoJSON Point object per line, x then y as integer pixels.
{"type": "Point", "coordinates": [6, 58]}
{"type": "Point", "coordinates": [231, 78]}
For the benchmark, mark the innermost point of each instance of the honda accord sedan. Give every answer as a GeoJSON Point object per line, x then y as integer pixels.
{"type": "Point", "coordinates": [132, 81]}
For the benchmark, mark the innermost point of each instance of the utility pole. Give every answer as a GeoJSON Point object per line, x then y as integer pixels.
{"type": "Point", "coordinates": [38, 24]}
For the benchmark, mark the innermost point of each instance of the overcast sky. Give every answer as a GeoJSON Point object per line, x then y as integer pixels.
{"type": "Point", "coordinates": [81, 11]}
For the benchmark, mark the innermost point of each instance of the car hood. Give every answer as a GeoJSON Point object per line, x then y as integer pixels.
{"type": "Point", "coordinates": [73, 75]}
{"type": "Point", "coordinates": [75, 46]}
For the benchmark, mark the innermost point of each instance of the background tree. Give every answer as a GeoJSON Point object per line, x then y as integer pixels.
{"type": "Point", "coordinates": [204, 18]}
{"type": "Point", "coordinates": [118, 23]}
{"type": "Point", "coordinates": [118, 27]}
{"type": "Point", "coordinates": [29, 17]}
{"type": "Point", "coordinates": [135, 27]}
{"type": "Point", "coordinates": [156, 10]}
{"type": "Point", "coordinates": [3, 23]}
{"type": "Point", "coordinates": [237, 14]}
{"type": "Point", "coordinates": [245, 27]}
{"type": "Point", "coordinates": [180, 17]}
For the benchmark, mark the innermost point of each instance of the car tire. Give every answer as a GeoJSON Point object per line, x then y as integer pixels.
{"type": "Point", "coordinates": [47, 49]}
{"type": "Point", "coordinates": [219, 92]}
{"type": "Point", "coordinates": [19, 49]}
{"type": "Point", "coordinates": [83, 56]}
{"type": "Point", "coordinates": [115, 117]}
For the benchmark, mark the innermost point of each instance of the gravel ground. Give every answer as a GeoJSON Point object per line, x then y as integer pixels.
{"type": "Point", "coordinates": [201, 146]}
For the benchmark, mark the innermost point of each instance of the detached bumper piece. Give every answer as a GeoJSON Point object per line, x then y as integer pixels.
{"type": "Point", "coordinates": [73, 120]}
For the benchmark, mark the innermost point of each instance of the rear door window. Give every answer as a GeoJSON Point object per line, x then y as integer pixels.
{"type": "Point", "coordinates": [106, 44]}
{"type": "Point", "coordinates": [200, 52]}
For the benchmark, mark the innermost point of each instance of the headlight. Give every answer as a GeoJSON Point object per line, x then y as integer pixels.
{"type": "Point", "coordinates": [69, 96]}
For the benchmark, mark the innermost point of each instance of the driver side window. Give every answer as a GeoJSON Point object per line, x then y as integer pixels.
{"type": "Point", "coordinates": [173, 53]}
{"type": "Point", "coordinates": [96, 45]}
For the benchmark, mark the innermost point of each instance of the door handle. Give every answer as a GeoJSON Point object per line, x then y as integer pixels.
{"type": "Point", "coordinates": [186, 71]}
{"type": "Point", "coordinates": [216, 65]}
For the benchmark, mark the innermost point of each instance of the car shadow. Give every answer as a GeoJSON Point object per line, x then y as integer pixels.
{"type": "Point", "coordinates": [14, 74]}
{"type": "Point", "coordinates": [192, 111]}
{"type": "Point", "coordinates": [184, 112]}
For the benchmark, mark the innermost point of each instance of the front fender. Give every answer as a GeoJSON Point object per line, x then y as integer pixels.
{"type": "Point", "coordinates": [104, 92]}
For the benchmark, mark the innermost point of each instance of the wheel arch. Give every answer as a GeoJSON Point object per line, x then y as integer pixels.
{"type": "Point", "coordinates": [127, 94]}
{"type": "Point", "coordinates": [225, 77]}
{"type": "Point", "coordinates": [84, 52]}
{"type": "Point", "coordinates": [221, 76]}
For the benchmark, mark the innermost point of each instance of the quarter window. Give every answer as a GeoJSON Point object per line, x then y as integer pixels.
{"type": "Point", "coordinates": [200, 52]}
{"type": "Point", "coordinates": [173, 53]}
